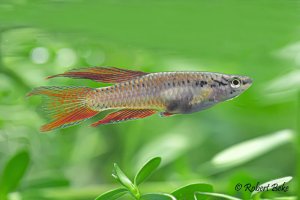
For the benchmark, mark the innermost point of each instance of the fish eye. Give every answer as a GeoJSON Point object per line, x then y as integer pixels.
{"type": "Point", "coordinates": [235, 83]}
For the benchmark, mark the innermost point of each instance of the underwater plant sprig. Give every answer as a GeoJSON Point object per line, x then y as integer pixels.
{"type": "Point", "coordinates": [196, 191]}
{"type": "Point", "coordinates": [132, 187]}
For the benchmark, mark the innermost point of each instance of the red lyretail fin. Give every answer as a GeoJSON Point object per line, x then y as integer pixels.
{"type": "Point", "coordinates": [66, 106]}
{"type": "Point", "coordinates": [124, 115]}
{"type": "Point", "coordinates": [102, 74]}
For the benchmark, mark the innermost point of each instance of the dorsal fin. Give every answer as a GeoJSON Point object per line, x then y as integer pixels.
{"type": "Point", "coordinates": [102, 74]}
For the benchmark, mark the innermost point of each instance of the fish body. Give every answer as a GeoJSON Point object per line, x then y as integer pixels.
{"type": "Point", "coordinates": [137, 94]}
{"type": "Point", "coordinates": [173, 92]}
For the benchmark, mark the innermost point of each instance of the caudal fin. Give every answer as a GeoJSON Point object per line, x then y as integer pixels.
{"type": "Point", "coordinates": [65, 105]}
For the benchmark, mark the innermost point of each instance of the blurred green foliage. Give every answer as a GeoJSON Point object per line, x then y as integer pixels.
{"type": "Point", "coordinates": [256, 38]}
{"type": "Point", "coordinates": [13, 173]}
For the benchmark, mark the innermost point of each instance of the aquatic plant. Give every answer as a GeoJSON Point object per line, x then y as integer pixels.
{"type": "Point", "coordinates": [195, 191]}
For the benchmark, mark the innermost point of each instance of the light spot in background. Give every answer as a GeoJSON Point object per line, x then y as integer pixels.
{"type": "Point", "coordinates": [96, 57]}
{"type": "Point", "coordinates": [141, 57]}
{"type": "Point", "coordinates": [14, 196]}
{"type": "Point", "coordinates": [177, 64]}
{"type": "Point", "coordinates": [291, 52]}
{"type": "Point", "coordinates": [66, 57]}
{"type": "Point", "coordinates": [169, 146]}
{"type": "Point", "coordinates": [39, 55]}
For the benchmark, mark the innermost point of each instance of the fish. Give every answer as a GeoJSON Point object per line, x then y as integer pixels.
{"type": "Point", "coordinates": [135, 95]}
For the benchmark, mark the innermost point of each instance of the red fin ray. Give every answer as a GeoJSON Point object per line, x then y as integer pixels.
{"type": "Point", "coordinates": [65, 105]}
{"type": "Point", "coordinates": [125, 115]}
{"type": "Point", "coordinates": [70, 119]}
{"type": "Point", "coordinates": [102, 74]}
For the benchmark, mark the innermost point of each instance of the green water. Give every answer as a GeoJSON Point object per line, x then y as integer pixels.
{"type": "Point", "coordinates": [260, 39]}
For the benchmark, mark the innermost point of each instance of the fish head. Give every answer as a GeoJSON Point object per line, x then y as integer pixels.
{"type": "Point", "coordinates": [231, 86]}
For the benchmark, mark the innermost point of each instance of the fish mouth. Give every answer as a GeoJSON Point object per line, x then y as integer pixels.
{"type": "Point", "coordinates": [247, 81]}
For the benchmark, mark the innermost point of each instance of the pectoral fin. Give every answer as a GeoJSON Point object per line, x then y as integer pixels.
{"type": "Point", "coordinates": [125, 115]}
{"type": "Point", "coordinates": [102, 74]}
{"type": "Point", "coordinates": [166, 114]}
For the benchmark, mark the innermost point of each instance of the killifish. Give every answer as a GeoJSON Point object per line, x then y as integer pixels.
{"type": "Point", "coordinates": [136, 94]}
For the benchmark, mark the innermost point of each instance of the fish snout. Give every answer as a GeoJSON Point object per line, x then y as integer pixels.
{"type": "Point", "coordinates": [247, 82]}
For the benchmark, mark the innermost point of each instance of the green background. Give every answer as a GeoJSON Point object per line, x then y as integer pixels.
{"type": "Point", "coordinates": [260, 39]}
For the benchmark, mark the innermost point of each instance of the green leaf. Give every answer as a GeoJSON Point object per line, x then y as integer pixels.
{"type": "Point", "coordinates": [248, 150]}
{"type": "Point", "coordinates": [147, 170]}
{"type": "Point", "coordinates": [13, 172]}
{"type": "Point", "coordinates": [124, 180]}
{"type": "Point", "coordinates": [187, 192]}
{"type": "Point", "coordinates": [121, 177]}
{"type": "Point", "coordinates": [223, 196]}
{"type": "Point", "coordinates": [273, 184]}
{"type": "Point", "coordinates": [286, 198]}
{"type": "Point", "coordinates": [157, 196]}
{"type": "Point", "coordinates": [285, 82]}
{"type": "Point", "coordinates": [113, 194]}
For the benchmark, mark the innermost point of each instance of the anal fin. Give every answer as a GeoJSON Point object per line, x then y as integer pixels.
{"type": "Point", "coordinates": [125, 115]}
